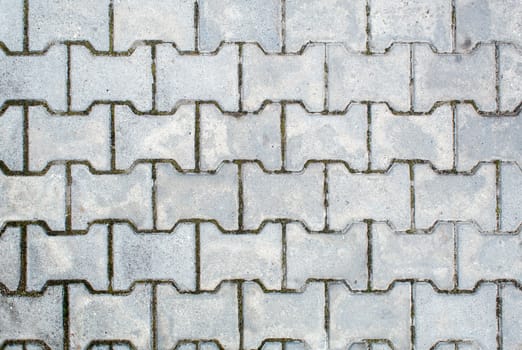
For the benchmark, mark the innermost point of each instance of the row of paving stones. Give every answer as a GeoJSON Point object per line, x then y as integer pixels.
{"type": "Point", "coordinates": [283, 137]}
{"type": "Point", "coordinates": [241, 315]}
{"type": "Point", "coordinates": [325, 196]}
{"type": "Point", "coordinates": [241, 77]}
{"type": "Point", "coordinates": [367, 256]}
{"type": "Point", "coordinates": [278, 25]}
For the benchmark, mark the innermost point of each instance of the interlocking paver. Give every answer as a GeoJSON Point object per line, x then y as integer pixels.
{"type": "Point", "coordinates": [270, 175]}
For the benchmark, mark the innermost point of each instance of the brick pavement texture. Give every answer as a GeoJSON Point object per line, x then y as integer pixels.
{"type": "Point", "coordinates": [261, 174]}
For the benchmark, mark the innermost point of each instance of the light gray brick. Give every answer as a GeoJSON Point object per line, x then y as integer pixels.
{"type": "Point", "coordinates": [372, 345]}
{"type": "Point", "coordinates": [67, 257]}
{"type": "Point", "coordinates": [486, 138]}
{"type": "Point", "coordinates": [186, 346]}
{"type": "Point", "coordinates": [156, 137]}
{"type": "Point", "coordinates": [33, 317]}
{"type": "Point", "coordinates": [12, 24]}
{"type": "Point", "coordinates": [355, 317]}
{"type": "Point", "coordinates": [318, 136]}
{"type": "Point", "coordinates": [487, 21]}
{"type": "Point", "coordinates": [170, 21]}
{"type": "Point", "coordinates": [288, 77]}
{"type": "Point", "coordinates": [400, 255]}
{"type": "Point", "coordinates": [443, 317]}
{"type": "Point", "coordinates": [124, 317]}
{"type": "Point", "coordinates": [448, 77]}
{"type": "Point", "coordinates": [510, 196]}
{"type": "Point", "coordinates": [298, 316]}
{"type": "Point", "coordinates": [424, 137]}
{"type": "Point", "coordinates": [34, 198]}
{"type": "Point", "coordinates": [111, 196]}
{"type": "Point", "coordinates": [208, 346]}
{"type": "Point", "coordinates": [130, 78]}
{"type": "Point", "coordinates": [510, 87]}
{"type": "Point", "coordinates": [410, 21]}
{"type": "Point", "coordinates": [197, 316]}
{"type": "Point", "coordinates": [511, 320]}
{"type": "Point", "coordinates": [56, 21]}
{"type": "Point", "coordinates": [10, 262]}
{"type": "Point", "coordinates": [11, 141]}
{"type": "Point", "coordinates": [208, 196]}
{"type": "Point", "coordinates": [338, 21]}
{"type": "Point", "coordinates": [29, 77]}
{"type": "Point", "coordinates": [340, 255]}
{"type": "Point", "coordinates": [251, 136]}
{"type": "Point", "coordinates": [457, 197]}
{"type": "Point", "coordinates": [355, 197]}
{"type": "Point", "coordinates": [487, 256]}
{"type": "Point", "coordinates": [273, 345]}
{"type": "Point", "coordinates": [208, 77]}
{"type": "Point", "coordinates": [240, 20]}
{"type": "Point", "coordinates": [353, 76]}
{"type": "Point", "coordinates": [295, 196]}
{"type": "Point", "coordinates": [247, 256]}
{"type": "Point", "coordinates": [154, 256]}
{"type": "Point", "coordinates": [83, 138]}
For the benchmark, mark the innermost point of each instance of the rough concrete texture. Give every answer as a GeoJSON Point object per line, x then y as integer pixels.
{"type": "Point", "coordinates": [260, 175]}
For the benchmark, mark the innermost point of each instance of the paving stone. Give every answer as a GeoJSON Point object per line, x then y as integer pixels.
{"type": "Point", "coordinates": [152, 136]}
{"type": "Point", "coordinates": [29, 77]}
{"type": "Point", "coordinates": [33, 317]}
{"type": "Point", "coordinates": [81, 137]}
{"type": "Point", "coordinates": [400, 255]}
{"type": "Point", "coordinates": [459, 197]}
{"type": "Point", "coordinates": [510, 197]}
{"type": "Point", "coordinates": [319, 136]}
{"type": "Point", "coordinates": [341, 256]}
{"type": "Point", "coordinates": [173, 22]}
{"type": "Point", "coordinates": [207, 196]}
{"type": "Point", "coordinates": [131, 78]}
{"type": "Point", "coordinates": [401, 137]}
{"type": "Point", "coordinates": [410, 21]}
{"type": "Point", "coordinates": [448, 77]}
{"type": "Point", "coordinates": [125, 317]}
{"type": "Point", "coordinates": [338, 21]}
{"type": "Point", "coordinates": [11, 141]}
{"type": "Point", "coordinates": [204, 316]}
{"type": "Point", "coordinates": [154, 256]}
{"type": "Point", "coordinates": [86, 257]}
{"type": "Point", "coordinates": [271, 77]}
{"type": "Point", "coordinates": [510, 87]}
{"type": "Point", "coordinates": [246, 256]}
{"type": "Point", "coordinates": [34, 198]}
{"type": "Point", "coordinates": [297, 316]}
{"type": "Point", "coordinates": [487, 256]}
{"type": "Point", "coordinates": [355, 317]}
{"type": "Point", "coordinates": [487, 21]}
{"type": "Point", "coordinates": [442, 317]}
{"type": "Point", "coordinates": [10, 262]}
{"type": "Point", "coordinates": [240, 20]}
{"type": "Point", "coordinates": [210, 77]}
{"type": "Point", "coordinates": [353, 197]}
{"type": "Point", "coordinates": [273, 345]}
{"type": "Point", "coordinates": [75, 20]}
{"type": "Point", "coordinates": [251, 136]}
{"type": "Point", "coordinates": [111, 196]}
{"type": "Point", "coordinates": [486, 138]}
{"type": "Point", "coordinates": [12, 24]}
{"type": "Point", "coordinates": [297, 196]}
{"type": "Point", "coordinates": [353, 76]}
{"type": "Point", "coordinates": [511, 321]}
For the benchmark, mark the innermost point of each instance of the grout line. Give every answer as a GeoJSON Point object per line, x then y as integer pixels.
{"type": "Point", "coordinates": [369, 134]}
{"type": "Point", "coordinates": [412, 77]}
{"type": "Point", "coordinates": [283, 26]}
{"type": "Point", "coordinates": [68, 77]}
{"type": "Point", "coordinates": [369, 254]}
{"type": "Point", "coordinates": [326, 202]}
{"type": "Point", "coordinates": [412, 196]}
{"type": "Point", "coordinates": [453, 27]}
{"type": "Point", "coordinates": [284, 262]}
{"type": "Point", "coordinates": [154, 77]}
{"type": "Point", "coordinates": [240, 195]}
{"type": "Point", "coordinates": [65, 319]}
{"type": "Point", "coordinates": [111, 26]}
{"type": "Point", "coordinates": [110, 257]}
{"type": "Point", "coordinates": [26, 26]}
{"type": "Point", "coordinates": [196, 26]}
{"type": "Point", "coordinates": [326, 72]}
{"type": "Point", "coordinates": [240, 76]}
{"type": "Point", "coordinates": [198, 256]}
{"type": "Point", "coordinates": [455, 257]}
{"type": "Point", "coordinates": [368, 28]}
{"type": "Point", "coordinates": [154, 317]}
{"type": "Point", "coordinates": [327, 313]}
{"type": "Point", "coordinates": [154, 194]}
{"type": "Point", "coordinates": [499, 305]}
{"type": "Point", "coordinates": [22, 285]}
{"type": "Point", "coordinates": [68, 197]}
{"type": "Point", "coordinates": [240, 315]}
{"type": "Point", "coordinates": [497, 76]}
{"type": "Point", "coordinates": [498, 184]}
{"type": "Point", "coordinates": [455, 135]}
{"type": "Point", "coordinates": [197, 140]}
{"type": "Point", "coordinates": [25, 139]}
{"type": "Point", "coordinates": [113, 136]}
{"type": "Point", "coordinates": [412, 315]}
{"type": "Point", "coordinates": [282, 129]}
